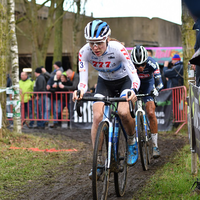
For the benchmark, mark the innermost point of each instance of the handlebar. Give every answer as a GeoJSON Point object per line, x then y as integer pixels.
{"type": "Point", "coordinates": [148, 94]}
{"type": "Point", "coordinates": [106, 99]}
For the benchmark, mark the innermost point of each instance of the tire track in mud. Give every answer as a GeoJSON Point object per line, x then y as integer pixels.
{"type": "Point", "coordinates": [75, 184]}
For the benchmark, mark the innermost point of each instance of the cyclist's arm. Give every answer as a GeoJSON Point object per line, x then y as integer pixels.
{"type": "Point", "coordinates": [130, 68]}
{"type": "Point", "coordinates": [83, 72]}
{"type": "Point", "coordinates": [158, 78]}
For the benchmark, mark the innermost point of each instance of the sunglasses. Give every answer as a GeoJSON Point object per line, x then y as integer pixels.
{"type": "Point", "coordinates": [141, 65]}
{"type": "Point", "coordinates": [97, 43]}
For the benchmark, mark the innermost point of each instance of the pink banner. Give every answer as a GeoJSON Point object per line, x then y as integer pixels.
{"type": "Point", "coordinates": [161, 54]}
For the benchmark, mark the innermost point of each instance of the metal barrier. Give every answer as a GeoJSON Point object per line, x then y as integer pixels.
{"type": "Point", "coordinates": [55, 107]}
{"type": "Point", "coordinates": [45, 107]}
{"type": "Point", "coordinates": [179, 105]}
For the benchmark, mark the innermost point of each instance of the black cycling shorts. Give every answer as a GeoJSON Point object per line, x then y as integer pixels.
{"type": "Point", "coordinates": [112, 88]}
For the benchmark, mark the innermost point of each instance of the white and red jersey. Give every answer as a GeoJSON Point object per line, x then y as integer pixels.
{"type": "Point", "coordinates": [114, 64]}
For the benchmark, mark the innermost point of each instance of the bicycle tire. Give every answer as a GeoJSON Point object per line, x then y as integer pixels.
{"type": "Point", "coordinates": [149, 144]}
{"type": "Point", "coordinates": [142, 140]}
{"type": "Point", "coordinates": [100, 184]}
{"type": "Point", "coordinates": [120, 177]}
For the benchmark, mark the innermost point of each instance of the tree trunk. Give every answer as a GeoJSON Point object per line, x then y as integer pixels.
{"type": "Point", "coordinates": [15, 67]}
{"type": "Point", "coordinates": [188, 40]}
{"type": "Point", "coordinates": [57, 56]}
{"type": "Point", "coordinates": [3, 61]}
{"type": "Point", "coordinates": [76, 29]}
{"type": "Point", "coordinates": [39, 43]}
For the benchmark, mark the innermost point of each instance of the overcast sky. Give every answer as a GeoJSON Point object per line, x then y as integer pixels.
{"type": "Point", "coordinates": [169, 10]}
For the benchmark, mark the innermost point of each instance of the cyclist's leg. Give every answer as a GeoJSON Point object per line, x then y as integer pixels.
{"type": "Point", "coordinates": [150, 109]}
{"type": "Point", "coordinates": [103, 88]}
{"type": "Point", "coordinates": [129, 126]}
{"type": "Point", "coordinates": [97, 118]}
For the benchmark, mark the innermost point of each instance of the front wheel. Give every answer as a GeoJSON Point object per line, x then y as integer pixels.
{"type": "Point", "coordinates": [120, 177]}
{"type": "Point", "coordinates": [100, 173]}
{"type": "Point", "coordinates": [149, 146]}
{"type": "Point", "coordinates": [142, 140]}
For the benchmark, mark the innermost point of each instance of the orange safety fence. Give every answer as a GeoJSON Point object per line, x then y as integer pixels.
{"type": "Point", "coordinates": [179, 105]}
{"type": "Point", "coordinates": [46, 107]}
{"type": "Point", "coordinates": [55, 107]}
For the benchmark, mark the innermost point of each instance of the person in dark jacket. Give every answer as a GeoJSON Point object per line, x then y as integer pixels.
{"type": "Point", "coordinates": [53, 87]}
{"type": "Point", "coordinates": [40, 86]}
{"type": "Point", "coordinates": [74, 78]}
{"type": "Point", "coordinates": [57, 66]}
{"type": "Point", "coordinates": [63, 86]}
{"type": "Point", "coordinates": [175, 74]}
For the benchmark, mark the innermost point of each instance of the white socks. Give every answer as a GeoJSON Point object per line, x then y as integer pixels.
{"type": "Point", "coordinates": [131, 139]}
{"type": "Point", "coordinates": [154, 139]}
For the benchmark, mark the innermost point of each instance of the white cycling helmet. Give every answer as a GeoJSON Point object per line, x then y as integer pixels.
{"type": "Point", "coordinates": [96, 30]}
{"type": "Point", "coordinates": [139, 55]}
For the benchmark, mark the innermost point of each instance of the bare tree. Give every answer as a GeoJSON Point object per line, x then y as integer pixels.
{"type": "Point", "coordinates": [3, 60]}
{"type": "Point", "coordinates": [188, 40]}
{"type": "Point", "coordinates": [15, 66]}
{"type": "Point", "coordinates": [58, 32]}
{"type": "Point", "coordinates": [39, 32]}
{"type": "Point", "coordinates": [76, 28]}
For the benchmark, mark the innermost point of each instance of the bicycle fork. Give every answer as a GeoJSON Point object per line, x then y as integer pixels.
{"type": "Point", "coordinates": [107, 117]}
{"type": "Point", "coordinates": [144, 120]}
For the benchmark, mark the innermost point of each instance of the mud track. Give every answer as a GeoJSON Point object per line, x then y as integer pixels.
{"type": "Point", "coordinates": [74, 184]}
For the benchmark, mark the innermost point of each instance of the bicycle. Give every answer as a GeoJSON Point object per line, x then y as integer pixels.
{"type": "Point", "coordinates": [143, 133]}
{"type": "Point", "coordinates": [110, 151]}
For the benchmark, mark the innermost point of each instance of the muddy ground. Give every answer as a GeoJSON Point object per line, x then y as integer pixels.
{"type": "Point", "coordinates": [74, 184]}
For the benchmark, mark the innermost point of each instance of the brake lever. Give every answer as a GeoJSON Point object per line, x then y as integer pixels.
{"type": "Point", "coordinates": [132, 111]}
{"type": "Point", "coordinates": [154, 98]}
{"type": "Point", "coordinates": [77, 105]}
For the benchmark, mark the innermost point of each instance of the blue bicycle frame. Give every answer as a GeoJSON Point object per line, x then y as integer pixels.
{"type": "Point", "coordinates": [113, 138]}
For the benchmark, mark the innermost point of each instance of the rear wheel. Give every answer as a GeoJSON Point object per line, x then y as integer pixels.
{"type": "Point", "coordinates": [100, 174]}
{"type": "Point", "coordinates": [120, 177]}
{"type": "Point", "coordinates": [142, 140]}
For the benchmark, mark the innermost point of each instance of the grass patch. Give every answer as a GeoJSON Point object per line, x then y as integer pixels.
{"type": "Point", "coordinates": [20, 167]}
{"type": "Point", "coordinates": [173, 181]}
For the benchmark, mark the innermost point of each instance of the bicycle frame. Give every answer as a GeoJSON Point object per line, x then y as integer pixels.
{"type": "Point", "coordinates": [113, 132]}
{"type": "Point", "coordinates": [114, 150]}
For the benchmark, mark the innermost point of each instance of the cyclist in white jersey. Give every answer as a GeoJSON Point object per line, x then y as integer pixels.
{"type": "Point", "coordinates": [117, 74]}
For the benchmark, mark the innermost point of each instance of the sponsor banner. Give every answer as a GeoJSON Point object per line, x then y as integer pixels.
{"type": "Point", "coordinates": [84, 122]}
{"type": "Point", "coordinates": [163, 111]}
{"type": "Point", "coordinates": [162, 54]}
{"type": "Point", "coordinates": [195, 116]}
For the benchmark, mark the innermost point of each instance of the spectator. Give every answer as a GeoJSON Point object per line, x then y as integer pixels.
{"type": "Point", "coordinates": [62, 86]}
{"type": "Point", "coordinates": [40, 86]}
{"type": "Point", "coordinates": [8, 109]}
{"type": "Point", "coordinates": [166, 81]}
{"type": "Point", "coordinates": [57, 66]}
{"type": "Point", "coordinates": [175, 74]}
{"type": "Point", "coordinates": [150, 52]}
{"type": "Point", "coordinates": [53, 84]}
{"type": "Point", "coordinates": [26, 85]}
{"type": "Point", "coordinates": [74, 78]}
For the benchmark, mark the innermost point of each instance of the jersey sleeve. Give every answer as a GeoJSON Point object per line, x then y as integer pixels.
{"type": "Point", "coordinates": [83, 71]}
{"type": "Point", "coordinates": [130, 68]}
{"type": "Point", "coordinates": [158, 78]}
